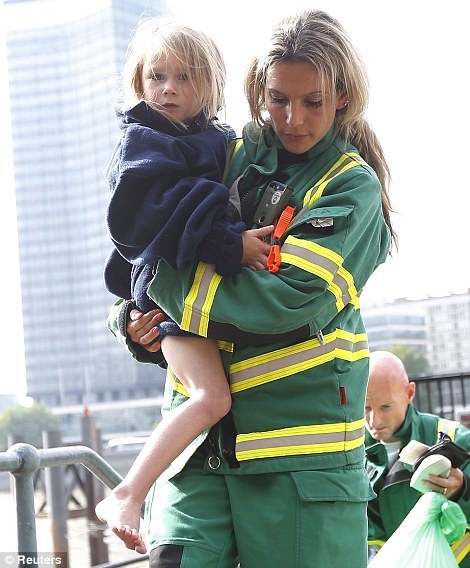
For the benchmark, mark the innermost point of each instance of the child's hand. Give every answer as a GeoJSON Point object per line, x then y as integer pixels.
{"type": "Point", "coordinates": [255, 249]}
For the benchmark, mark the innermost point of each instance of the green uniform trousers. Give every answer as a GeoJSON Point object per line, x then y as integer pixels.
{"type": "Point", "coordinates": [303, 519]}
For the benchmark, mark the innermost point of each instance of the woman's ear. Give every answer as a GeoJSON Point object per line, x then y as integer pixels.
{"type": "Point", "coordinates": [342, 101]}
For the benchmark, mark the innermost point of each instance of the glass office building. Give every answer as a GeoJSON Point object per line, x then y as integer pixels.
{"type": "Point", "coordinates": [64, 57]}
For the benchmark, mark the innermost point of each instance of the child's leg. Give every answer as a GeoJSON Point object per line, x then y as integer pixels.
{"type": "Point", "coordinates": [197, 364]}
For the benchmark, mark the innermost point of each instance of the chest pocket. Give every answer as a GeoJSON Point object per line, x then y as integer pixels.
{"type": "Point", "coordinates": [325, 220]}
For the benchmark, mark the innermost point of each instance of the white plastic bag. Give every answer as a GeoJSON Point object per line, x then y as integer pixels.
{"type": "Point", "coordinates": [423, 538]}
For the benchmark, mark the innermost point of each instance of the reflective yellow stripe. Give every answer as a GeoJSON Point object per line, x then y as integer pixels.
{"type": "Point", "coordinates": [285, 362]}
{"type": "Point", "coordinates": [347, 161]}
{"type": "Point", "coordinates": [461, 548]}
{"type": "Point", "coordinates": [233, 147]}
{"type": "Point", "coordinates": [324, 263]}
{"type": "Point", "coordinates": [376, 544]}
{"type": "Point", "coordinates": [319, 260]}
{"type": "Point", "coordinates": [225, 346]}
{"type": "Point", "coordinates": [177, 385]}
{"type": "Point", "coordinates": [314, 439]}
{"type": "Point", "coordinates": [199, 301]}
{"type": "Point", "coordinates": [448, 427]}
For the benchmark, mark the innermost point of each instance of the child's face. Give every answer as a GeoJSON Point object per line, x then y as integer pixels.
{"type": "Point", "coordinates": [166, 86]}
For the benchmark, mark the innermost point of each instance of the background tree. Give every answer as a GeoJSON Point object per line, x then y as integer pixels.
{"type": "Point", "coordinates": [415, 362]}
{"type": "Point", "coordinates": [27, 422]}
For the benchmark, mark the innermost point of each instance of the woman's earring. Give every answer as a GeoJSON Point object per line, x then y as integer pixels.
{"type": "Point", "coordinates": [345, 104]}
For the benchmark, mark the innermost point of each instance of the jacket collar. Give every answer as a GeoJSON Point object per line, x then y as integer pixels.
{"type": "Point", "coordinates": [406, 432]}
{"type": "Point", "coordinates": [143, 114]}
{"type": "Point", "coordinates": [263, 150]}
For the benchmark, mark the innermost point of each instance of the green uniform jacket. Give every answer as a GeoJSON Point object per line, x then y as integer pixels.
{"type": "Point", "coordinates": [298, 394]}
{"type": "Point", "coordinates": [395, 497]}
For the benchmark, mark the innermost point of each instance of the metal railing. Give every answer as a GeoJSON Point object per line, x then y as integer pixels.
{"type": "Point", "coordinates": [445, 395]}
{"type": "Point", "coordinates": [23, 461]}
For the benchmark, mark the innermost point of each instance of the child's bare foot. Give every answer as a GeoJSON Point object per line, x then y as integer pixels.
{"type": "Point", "coordinates": [131, 538]}
{"type": "Point", "coordinates": [122, 515]}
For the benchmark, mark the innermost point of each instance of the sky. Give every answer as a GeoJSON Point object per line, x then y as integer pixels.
{"type": "Point", "coordinates": [416, 54]}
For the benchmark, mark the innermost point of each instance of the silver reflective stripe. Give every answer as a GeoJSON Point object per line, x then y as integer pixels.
{"type": "Point", "coordinates": [282, 363]}
{"type": "Point", "coordinates": [199, 301]}
{"type": "Point", "coordinates": [461, 548]}
{"type": "Point", "coordinates": [324, 263]}
{"type": "Point", "coordinates": [314, 439]}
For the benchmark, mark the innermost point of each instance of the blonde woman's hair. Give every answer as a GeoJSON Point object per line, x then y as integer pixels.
{"type": "Point", "coordinates": [199, 56]}
{"type": "Point", "coordinates": [314, 37]}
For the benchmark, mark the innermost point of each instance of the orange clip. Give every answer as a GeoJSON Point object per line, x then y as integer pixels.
{"type": "Point", "coordinates": [283, 223]}
{"type": "Point", "coordinates": [274, 257]}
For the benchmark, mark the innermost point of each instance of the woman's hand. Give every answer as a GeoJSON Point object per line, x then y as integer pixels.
{"type": "Point", "coordinates": [142, 328]}
{"type": "Point", "coordinates": [255, 249]}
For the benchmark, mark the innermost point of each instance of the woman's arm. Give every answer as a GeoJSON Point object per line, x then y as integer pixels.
{"type": "Point", "coordinates": [136, 331]}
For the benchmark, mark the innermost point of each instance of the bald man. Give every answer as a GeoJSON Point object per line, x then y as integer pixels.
{"type": "Point", "coordinates": [391, 422]}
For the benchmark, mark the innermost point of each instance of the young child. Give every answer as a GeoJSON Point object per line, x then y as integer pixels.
{"type": "Point", "coordinates": [168, 205]}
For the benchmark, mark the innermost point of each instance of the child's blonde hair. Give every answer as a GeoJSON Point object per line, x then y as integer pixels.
{"type": "Point", "coordinates": [201, 60]}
